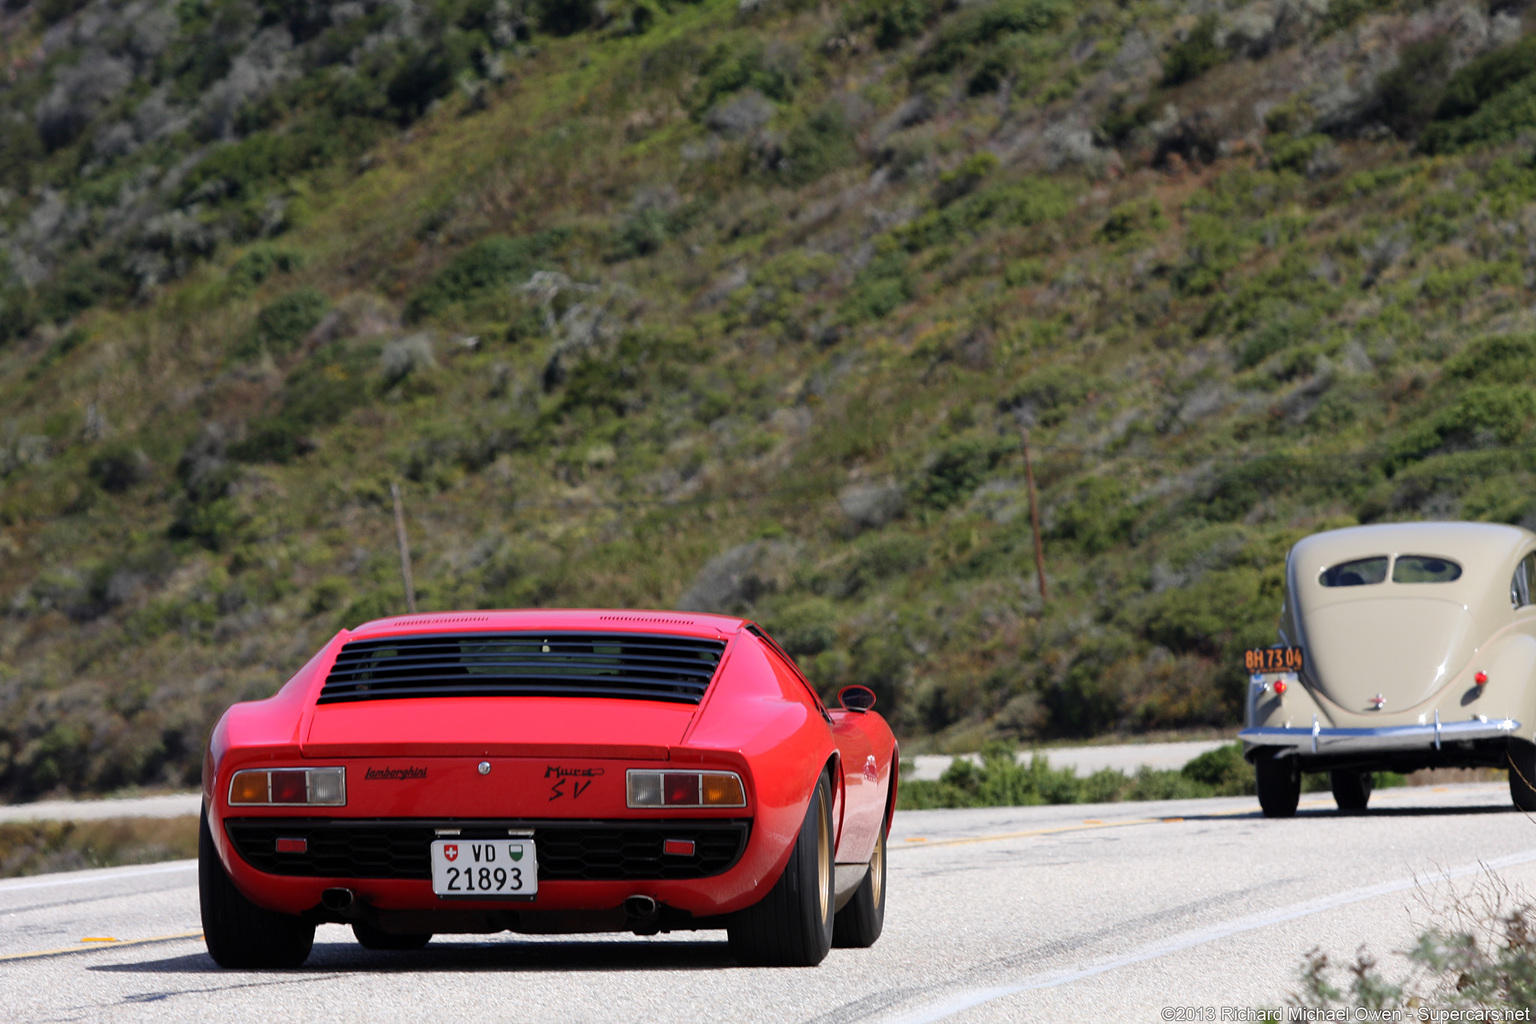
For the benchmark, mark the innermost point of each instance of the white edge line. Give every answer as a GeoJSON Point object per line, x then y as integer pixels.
{"type": "Point", "coordinates": [965, 1000]}
{"type": "Point", "coordinates": [105, 875]}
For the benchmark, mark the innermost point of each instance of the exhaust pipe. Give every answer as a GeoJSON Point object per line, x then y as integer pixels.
{"type": "Point", "coordinates": [642, 915]}
{"type": "Point", "coordinates": [336, 900]}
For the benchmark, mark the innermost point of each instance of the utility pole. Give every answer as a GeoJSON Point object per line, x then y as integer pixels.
{"type": "Point", "coordinates": [1034, 515]}
{"type": "Point", "coordinates": [405, 548]}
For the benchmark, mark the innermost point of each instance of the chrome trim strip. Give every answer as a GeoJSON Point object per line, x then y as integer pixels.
{"type": "Point", "coordinates": [1390, 737]}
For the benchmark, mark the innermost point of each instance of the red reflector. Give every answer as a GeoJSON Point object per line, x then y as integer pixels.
{"type": "Point", "coordinates": [292, 845]}
{"type": "Point", "coordinates": [680, 790]}
{"type": "Point", "coordinates": [1480, 678]}
{"type": "Point", "coordinates": [289, 788]}
{"type": "Point", "coordinates": [678, 847]}
{"type": "Point", "coordinates": [1280, 686]}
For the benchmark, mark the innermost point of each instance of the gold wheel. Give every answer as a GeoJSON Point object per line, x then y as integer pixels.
{"type": "Point", "coordinates": [824, 860]}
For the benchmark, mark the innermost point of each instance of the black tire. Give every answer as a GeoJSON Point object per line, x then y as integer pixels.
{"type": "Point", "coordinates": [370, 937]}
{"type": "Point", "coordinates": [859, 923]}
{"type": "Point", "coordinates": [240, 934]}
{"type": "Point", "coordinates": [1278, 780]}
{"type": "Point", "coordinates": [792, 925]}
{"type": "Point", "coordinates": [1351, 790]}
{"type": "Point", "coordinates": [1522, 774]}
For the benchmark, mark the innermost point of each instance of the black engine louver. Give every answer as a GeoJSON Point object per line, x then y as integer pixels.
{"type": "Point", "coordinates": [632, 666]}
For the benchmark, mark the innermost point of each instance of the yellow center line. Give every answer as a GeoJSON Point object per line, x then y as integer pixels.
{"type": "Point", "coordinates": [100, 944]}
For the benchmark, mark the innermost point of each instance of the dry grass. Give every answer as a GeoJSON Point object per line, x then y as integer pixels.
{"type": "Point", "coordinates": [40, 847]}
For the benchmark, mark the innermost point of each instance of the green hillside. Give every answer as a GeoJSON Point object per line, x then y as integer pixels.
{"type": "Point", "coordinates": [738, 306]}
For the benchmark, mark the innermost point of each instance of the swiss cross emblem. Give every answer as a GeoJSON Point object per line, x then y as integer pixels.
{"type": "Point", "coordinates": [451, 851]}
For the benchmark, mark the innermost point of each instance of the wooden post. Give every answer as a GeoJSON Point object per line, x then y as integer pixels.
{"type": "Point", "coordinates": [405, 550]}
{"type": "Point", "coordinates": [1034, 516]}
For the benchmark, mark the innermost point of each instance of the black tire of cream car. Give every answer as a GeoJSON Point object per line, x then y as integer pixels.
{"type": "Point", "coordinates": [1402, 646]}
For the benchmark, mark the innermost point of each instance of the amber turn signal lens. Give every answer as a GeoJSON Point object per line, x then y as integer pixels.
{"type": "Point", "coordinates": [249, 788]}
{"type": "Point", "coordinates": [723, 790]}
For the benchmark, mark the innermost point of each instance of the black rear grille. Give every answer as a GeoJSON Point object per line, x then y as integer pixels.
{"type": "Point", "coordinates": [634, 666]}
{"type": "Point", "coordinates": [594, 851]}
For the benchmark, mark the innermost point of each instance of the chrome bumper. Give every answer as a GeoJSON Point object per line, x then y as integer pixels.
{"type": "Point", "coordinates": [1319, 740]}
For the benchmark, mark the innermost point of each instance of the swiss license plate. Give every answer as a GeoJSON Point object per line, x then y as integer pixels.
{"type": "Point", "coordinates": [484, 868]}
{"type": "Point", "coordinates": [1272, 659]}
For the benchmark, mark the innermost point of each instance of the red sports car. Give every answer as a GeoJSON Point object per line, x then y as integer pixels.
{"type": "Point", "coordinates": [547, 772]}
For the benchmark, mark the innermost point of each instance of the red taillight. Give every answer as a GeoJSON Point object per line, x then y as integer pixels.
{"type": "Point", "coordinates": [1280, 686]}
{"type": "Point", "coordinates": [290, 788]}
{"type": "Point", "coordinates": [677, 847]}
{"type": "Point", "coordinates": [1480, 678]}
{"type": "Point", "coordinates": [291, 845]}
{"type": "Point", "coordinates": [680, 789]}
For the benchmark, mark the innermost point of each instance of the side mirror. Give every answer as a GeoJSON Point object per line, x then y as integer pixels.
{"type": "Point", "coordinates": [856, 698]}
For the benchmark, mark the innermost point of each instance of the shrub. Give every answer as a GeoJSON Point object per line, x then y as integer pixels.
{"type": "Point", "coordinates": [1099, 515]}
{"type": "Point", "coordinates": [731, 68]}
{"type": "Point", "coordinates": [1193, 55]}
{"type": "Point", "coordinates": [974, 27]}
{"type": "Point", "coordinates": [498, 261]}
{"type": "Point", "coordinates": [1132, 219]}
{"type": "Point", "coordinates": [1490, 100]}
{"type": "Point", "coordinates": [1223, 769]}
{"type": "Point", "coordinates": [1048, 395]}
{"type": "Point", "coordinates": [1020, 204]}
{"type": "Point", "coordinates": [957, 469]}
{"type": "Point", "coordinates": [565, 17]}
{"type": "Point", "coordinates": [821, 143]}
{"type": "Point", "coordinates": [1502, 357]}
{"type": "Point", "coordinates": [284, 322]}
{"type": "Point", "coordinates": [1408, 93]}
{"type": "Point", "coordinates": [118, 468]}
{"type": "Point", "coordinates": [1501, 412]}
{"type": "Point", "coordinates": [261, 262]}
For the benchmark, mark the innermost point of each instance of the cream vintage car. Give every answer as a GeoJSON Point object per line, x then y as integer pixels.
{"type": "Point", "coordinates": [1402, 646]}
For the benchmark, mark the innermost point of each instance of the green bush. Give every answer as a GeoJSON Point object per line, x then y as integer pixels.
{"type": "Point", "coordinates": [957, 469]}
{"type": "Point", "coordinates": [1490, 100]}
{"type": "Point", "coordinates": [733, 66]}
{"type": "Point", "coordinates": [1049, 394]}
{"type": "Point", "coordinates": [1020, 204]}
{"type": "Point", "coordinates": [1193, 55]}
{"type": "Point", "coordinates": [1501, 357]}
{"type": "Point", "coordinates": [1133, 219]}
{"type": "Point", "coordinates": [1099, 515]}
{"type": "Point", "coordinates": [282, 324]}
{"type": "Point", "coordinates": [1501, 412]}
{"type": "Point", "coordinates": [975, 27]}
{"type": "Point", "coordinates": [494, 262]}
{"type": "Point", "coordinates": [261, 262]}
{"type": "Point", "coordinates": [1223, 770]}
{"type": "Point", "coordinates": [821, 143]}
{"type": "Point", "coordinates": [1408, 93]}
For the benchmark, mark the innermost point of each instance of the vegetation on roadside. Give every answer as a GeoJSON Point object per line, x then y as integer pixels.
{"type": "Point", "coordinates": [1001, 779]}
{"type": "Point", "coordinates": [40, 847]}
{"type": "Point", "coordinates": [739, 307]}
{"type": "Point", "coordinates": [1481, 955]}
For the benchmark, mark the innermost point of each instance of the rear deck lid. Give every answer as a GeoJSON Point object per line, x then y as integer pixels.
{"type": "Point", "coordinates": [514, 692]}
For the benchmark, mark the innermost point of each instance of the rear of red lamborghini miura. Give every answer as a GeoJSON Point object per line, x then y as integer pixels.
{"type": "Point", "coordinates": [547, 772]}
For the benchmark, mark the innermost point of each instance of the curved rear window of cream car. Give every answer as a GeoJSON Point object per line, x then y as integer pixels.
{"type": "Point", "coordinates": [1356, 573]}
{"type": "Point", "coordinates": [1424, 569]}
{"type": "Point", "coordinates": [1360, 572]}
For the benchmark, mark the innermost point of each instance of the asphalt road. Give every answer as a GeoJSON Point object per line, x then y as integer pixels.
{"type": "Point", "coordinates": [1012, 914]}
